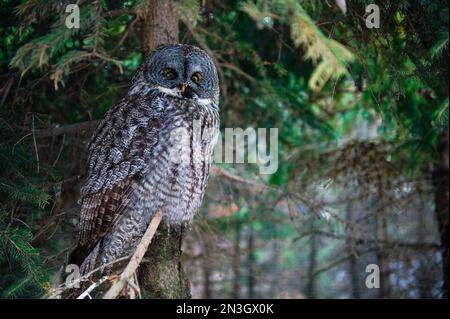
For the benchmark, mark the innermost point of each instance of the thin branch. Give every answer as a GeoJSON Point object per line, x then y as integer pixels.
{"type": "Point", "coordinates": [125, 35]}
{"type": "Point", "coordinates": [60, 150]}
{"type": "Point", "coordinates": [87, 292]}
{"type": "Point", "coordinates": [5, 90]}
{"type": "Point", "coordinates": [390, 244]}
{"type": "Point", "coordinates": [68, 129]}
{"type": "Point", "coordinates": [117, 12]}
{"type": "Point", "coordinates": [33, 131]}
{"type": "Point", "coordinates": [132, 266]}
{"type": "Point", "coordinates": [57, 291]}
{"type": "Point", "coordinates": [339, 261]}
{"type": "Point", "coordinates": [261, 186]}
{"type": "Point", "coordinates": [237, 70]}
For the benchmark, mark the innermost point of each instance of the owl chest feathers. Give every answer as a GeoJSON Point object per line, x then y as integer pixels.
{"type": "Point", "coordinates": [163, 146]}
{"type": "Point", "coordinates": [179, 160]}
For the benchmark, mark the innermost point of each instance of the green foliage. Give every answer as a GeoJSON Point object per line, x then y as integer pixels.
{"type": "Point", "coordinates": [61, 48]}
{"type": "Point", "coordinates": [16, 249]}
{"type": "Point", "coordinates": [333, 56]}
{"type": "Point", "coordinates": [352, 105]}
{"type": "Point", "coordinates": [24, 198]}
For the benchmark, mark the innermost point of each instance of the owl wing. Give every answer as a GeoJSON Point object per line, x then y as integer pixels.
{"type": "Point", "coordinates": [100, 210]}
{"type": "Point", "coordinates": [117, 155]}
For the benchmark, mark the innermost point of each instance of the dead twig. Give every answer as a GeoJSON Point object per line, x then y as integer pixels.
{"type": "Point", "coordinates": [87, 292]}
{"type": "Point", "coordinates": [35, 144]}
{"type": "Point", "coordinates": [135, 260]}
{"type": "Point", "coordinates": [57, 291]}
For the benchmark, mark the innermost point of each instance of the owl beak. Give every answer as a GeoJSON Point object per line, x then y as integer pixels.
{"type": "Point", "coordinates": [183, 88]}
{"type": "Point", "coordinates": [186, 90]}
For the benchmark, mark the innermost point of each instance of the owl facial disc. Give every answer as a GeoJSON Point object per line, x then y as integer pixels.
{"type": "Point", "coordinates": [183, 71]}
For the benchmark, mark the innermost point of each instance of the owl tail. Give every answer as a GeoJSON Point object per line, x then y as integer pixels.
{"type": "Point", "coordinates": [84, 257]}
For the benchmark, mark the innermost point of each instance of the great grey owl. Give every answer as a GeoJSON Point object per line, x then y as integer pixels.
{"type": "Point", "coordinates": [132, 172]}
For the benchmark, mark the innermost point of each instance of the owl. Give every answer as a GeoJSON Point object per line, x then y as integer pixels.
{"type": "Point", "coordinates": [152, 152]}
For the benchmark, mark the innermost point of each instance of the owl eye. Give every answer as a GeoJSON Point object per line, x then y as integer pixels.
{"type": "Point", "coordinates": [170, 74]}
{"type": "Point", "coordinates": [197, 77]}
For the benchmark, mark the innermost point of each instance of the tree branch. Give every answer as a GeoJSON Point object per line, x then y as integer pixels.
{"type": "Point", "coordinates": [390, 243]}
{"type": "Point", "coordinates": [77, 128]}
{"type": "Point", "coordinates": [259, 186]}
{"type": "Point", "coordinates": [88, 291]}
{"type": "Point", "coordinates": [135, 260]}
{"type": "Point", "coordinates": [117, 12]}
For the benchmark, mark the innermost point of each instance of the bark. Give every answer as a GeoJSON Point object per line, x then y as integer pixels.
{"type": "Point", "coordinates": [162, 275]}
{"type": "Point", "coordinates": [311, 285]}
{"type": "Point", "coordinates": [423, 276]}
{"type": "Point", "coordinates": [441, 194]}
{"type": "Point", "coordinates": [159, 25]}
{"type": "Point", "coordinates": [383, 253]}
{"type": "Point", "coordinates": [237, 263]}
{"type": "Point", "coordinates": [206, 268]}
{"type": "Point", "coordinates": [275, 277]}
{"type": "Point", "coordinates": [251, 265]}
{"type": "Point", "coordinates": [353, 262]}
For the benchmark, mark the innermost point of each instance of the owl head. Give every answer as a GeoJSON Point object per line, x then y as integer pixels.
{"type": "Point", "coordinates": [183, 71]}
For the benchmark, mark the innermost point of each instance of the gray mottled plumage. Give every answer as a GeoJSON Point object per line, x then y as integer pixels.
{"type": "Point", "coordinates": [132, 171]}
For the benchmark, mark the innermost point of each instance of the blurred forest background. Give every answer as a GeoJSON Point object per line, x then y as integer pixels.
{"type": "Point", "coordinates": [363, 142]}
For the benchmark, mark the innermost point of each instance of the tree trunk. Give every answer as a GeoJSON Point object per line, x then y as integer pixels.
{"type": "Point", "coordinates": [383, 253]}
{"type": "Point", "coordinates": [441, 197]}
{"type": "Point", "coordinates": [251, 265]}
{"type": "Point", "coordinates": [161, 275]}
{"type": "Point", "coordinates": [423, 276]}
{"type": "Point", "coordinates": [159, 25]}
{"type": "Point", "coordinates": [353, 262]}
{"type": "Point", "coordinates": [311, 285]}
{"type": "Point", "coordinates": [237, 263]}
{"type": "Point", "coordinates": [207, 294]}
{"type": "Point", "coordinates": [275, 276]}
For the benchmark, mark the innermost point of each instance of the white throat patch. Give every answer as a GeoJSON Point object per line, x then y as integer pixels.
{"type": "Point", "coordinates": [172, 92]}
{"type": "Point", "coordinates": [177, 93]}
